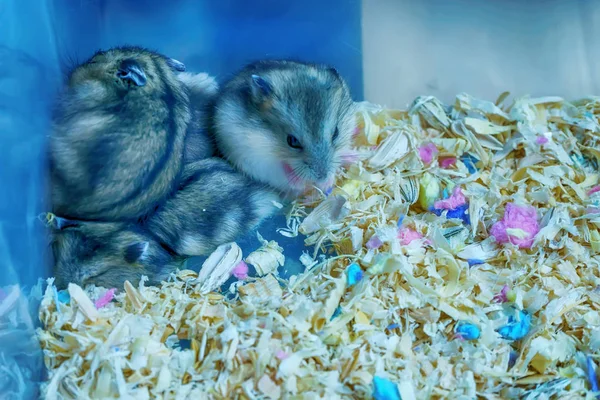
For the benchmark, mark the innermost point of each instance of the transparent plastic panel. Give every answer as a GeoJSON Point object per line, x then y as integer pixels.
{"type": "Point", "coordinates": [29, 76]}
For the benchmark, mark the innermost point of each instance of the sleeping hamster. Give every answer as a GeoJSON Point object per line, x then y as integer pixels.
{"type": "Point", "coordinates": [117, 144]}
{"type": "Point", "coordinates": [285, 123]}
{"type": "Point", "coordinates": [214, 205]}
{"type": "Point", "coordinates": [107, 254]}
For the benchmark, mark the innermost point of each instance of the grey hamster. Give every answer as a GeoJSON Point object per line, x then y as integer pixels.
{"type": "Point", "coordinates": [214, 205]}
{"type": "Point", "coordinates": [117, 143]}
{"type": "Point", "coordinates": [107, 254]}
{"type": "Point", "coordinates": [202, 89]}
{"type": "Point", "coordinates": [285, 123]}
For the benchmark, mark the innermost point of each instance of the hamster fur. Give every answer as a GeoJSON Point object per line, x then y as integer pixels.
{"type": "Point", "coordinates": [202, 90]}
{"type": "Point", "coordinates": [214, 205]}
{"type": "Point", "coordinates": [107, 254]}
{"type": "Point", "coordinates": [117, 144]}
{"type": "Point", "coordinates": [285, 123]}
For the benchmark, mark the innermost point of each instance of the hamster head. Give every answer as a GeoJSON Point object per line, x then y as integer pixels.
{"type": "Point", "coordinates": [122, 71]}
{"type": "Point", "coordinates": [286, 124]}
{"type": "Point", "coordinates": [104, 254]}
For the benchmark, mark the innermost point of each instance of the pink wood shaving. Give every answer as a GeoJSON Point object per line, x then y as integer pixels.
{"type": "Point", "coordinates": [282, 355]}
{"type": "Point", "coordinates": [541, 140]}
{"type": "Point", "coordinates": [407, 235]}
{"type": "Point", "coordinates": [105, 298]}
{"type": "Point", "coordinates": [593, 190]}
{"type": "Point", "coordinates": [517, 217]}
{"type": "Point", "coordinates": [240, 271]}
{"type": "Point", "coordinates": [426, 152]}
{"type": "Point", "coordinates": [456, 200]}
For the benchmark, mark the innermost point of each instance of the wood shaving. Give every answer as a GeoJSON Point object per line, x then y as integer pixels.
{"type": "Point", "coordinates": [218, 266]}
{"type": "Point", "coordinates": [267, 258]}
{"type": "Point", "coordinates": [318, 337]}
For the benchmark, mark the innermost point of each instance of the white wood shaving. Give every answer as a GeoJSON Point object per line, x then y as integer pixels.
{"type": "Point", "coordinates": [267, 258]}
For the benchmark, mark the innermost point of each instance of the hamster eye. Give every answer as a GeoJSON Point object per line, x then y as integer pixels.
{"type": "Point", "coordinates": [293, 142]}
{"type": "Point", "coordinates": [335, 134]}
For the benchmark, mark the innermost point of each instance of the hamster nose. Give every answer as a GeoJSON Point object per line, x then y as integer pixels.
{"type": "Point", "coordinates": [131, 71]}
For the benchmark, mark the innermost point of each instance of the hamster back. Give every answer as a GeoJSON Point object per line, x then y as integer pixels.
{"type": "Point", "coordinates": [215, 204]}
{"type": "Point", "coordinates": [118, 139]}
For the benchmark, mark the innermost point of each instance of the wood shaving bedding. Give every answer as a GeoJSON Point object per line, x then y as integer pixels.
{"type": "Point", "coordinates": [457, 288]}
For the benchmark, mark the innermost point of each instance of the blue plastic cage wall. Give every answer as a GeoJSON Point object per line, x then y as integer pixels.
{"type": "Point", "coordinates": [40, 40]}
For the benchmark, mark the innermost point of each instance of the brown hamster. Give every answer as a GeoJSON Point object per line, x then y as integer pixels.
{"type": "Point", "coordinates": [214, 205]}
{"type": "Point", "coordinates": [117, 144]}
{"type": "Point", "coordinates": [107, 254]}
{"type": "Point", "coordinates": [285, 123]}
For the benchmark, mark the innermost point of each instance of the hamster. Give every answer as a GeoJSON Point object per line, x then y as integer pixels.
{"type": "Point", "coordinates": [202, 90]}
{"type": "Point", "coordinates": [214, 205]}
{"type": "Point", "coordinates": [108, 253]}
{"type": "Point", "coordinates": [285, 123]}
{"type": "Point", "coordinates": [116, 149]}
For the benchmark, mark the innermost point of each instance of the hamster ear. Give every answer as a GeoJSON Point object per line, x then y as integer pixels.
{"type": "Point", "coordinates": [175, 65]}
{"type": "Point", "coordinates": [334, 71]}
{"type": "Point", "coordinates": [136, 252]}
{"type": "Point", "coordinates": [260, 88]}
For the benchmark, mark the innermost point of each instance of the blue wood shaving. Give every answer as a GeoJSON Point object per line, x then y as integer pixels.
{"type": "Point", "coordinates": [475, 261]}
{"type": "Point", "coordinates": [467, 331]}
{"type": "Point", "coordinates": [392, 326]}
{"type": "Point", "coordinates": [64, 297]}
{"type": "Point", "coordinates": [460, 212]}
{"type": "Point", "coordinates": [328, 191]}
{"type": "Point", "coordinates": [516, 330]}
{"type": "Point", "coordinates": [470, 162]}
{"type": "Point", "coordinates": [400, 221]}
{"type": "Point", "coordinates": [354, 274]}
{"type": "Point", "coordinates": [385, 390]}
{"type": "Point", "coordinates": [591, 374]}
{"type": "Point", "coordinates": [337, 312]}
{"type": "Point", "coordinates": [56, 300]}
